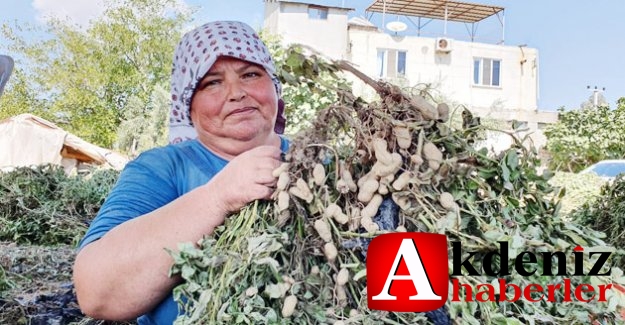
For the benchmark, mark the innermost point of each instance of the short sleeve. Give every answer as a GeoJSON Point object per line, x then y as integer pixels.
{"type": "Point", "coordinates": [146, 184]}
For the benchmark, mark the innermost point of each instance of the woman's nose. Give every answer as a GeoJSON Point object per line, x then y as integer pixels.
{"type": "Point", "coordinates": [237, 93]}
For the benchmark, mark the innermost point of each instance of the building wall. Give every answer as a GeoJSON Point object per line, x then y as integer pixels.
{"type": "Point", "coordinates": [272, 11]}
{"type": "Point", "coordinates": [452, 73]}
{"type": "Point", "coordinates": [291, 22]}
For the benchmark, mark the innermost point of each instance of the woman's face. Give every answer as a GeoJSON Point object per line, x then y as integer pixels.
{"type": "Point", "coordinates": [236, 100]}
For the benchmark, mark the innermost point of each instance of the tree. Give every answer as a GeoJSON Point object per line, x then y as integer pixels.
{"type": "Point", "coordinates": [21, 98]}
{"type": "Point", "coordinates": [138, 132]}
{"type": "Point", "coordinates": [86, 77]}
{"type": "Point", "coordinates": [585, 136]}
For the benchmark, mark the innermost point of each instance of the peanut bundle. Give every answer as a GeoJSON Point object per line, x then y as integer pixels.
{"type": "Point", "coordinates": [300, 259]}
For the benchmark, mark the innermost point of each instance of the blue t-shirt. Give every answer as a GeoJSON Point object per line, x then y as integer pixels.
{"type": "Point", "coordinates": [154, 179]}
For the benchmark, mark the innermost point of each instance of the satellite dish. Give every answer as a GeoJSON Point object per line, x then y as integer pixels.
{"type": "Point", "coordinates": [396, 26]}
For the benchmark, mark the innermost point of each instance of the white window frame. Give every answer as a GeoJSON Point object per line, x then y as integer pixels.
{"type": "Point", "coordinates": [382, 63]}
{"type": "Point", "coordinates": [480, 78]}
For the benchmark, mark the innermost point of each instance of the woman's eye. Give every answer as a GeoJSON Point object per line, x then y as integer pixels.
{"type": "Point", "coordinates": [210, 83]}
{"type": "Point", "coordinates": [251, 74]}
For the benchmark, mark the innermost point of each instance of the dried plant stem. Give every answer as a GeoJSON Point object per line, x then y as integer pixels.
{"type": "Point", "coordinates": [233, 239]}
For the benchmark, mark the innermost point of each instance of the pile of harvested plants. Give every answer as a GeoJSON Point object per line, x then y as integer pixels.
{"type": "Point", "coordinates": [301, 259]}
{"type": "Point", "coordinates": [605, 213]}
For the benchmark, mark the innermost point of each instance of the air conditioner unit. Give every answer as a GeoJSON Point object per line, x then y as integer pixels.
{"type": "Point", "coordinates": [443, 44]}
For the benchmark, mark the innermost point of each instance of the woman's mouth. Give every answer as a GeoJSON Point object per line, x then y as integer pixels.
{"type": "Point", "coordinates": [243, 110]}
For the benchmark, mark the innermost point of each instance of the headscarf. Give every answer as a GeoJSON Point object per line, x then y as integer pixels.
{"type": "Point", "coordinates": [195, 55]}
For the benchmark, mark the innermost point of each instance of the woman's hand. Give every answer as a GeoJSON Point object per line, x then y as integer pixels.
{"type": "Point", "coordinates": [247, 177]}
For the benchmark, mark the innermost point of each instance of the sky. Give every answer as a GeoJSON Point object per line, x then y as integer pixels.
{"type": "Point", "coordinates": [579, 43]}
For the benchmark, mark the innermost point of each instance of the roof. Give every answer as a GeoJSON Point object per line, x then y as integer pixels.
{"type": "Point", "coordinates": [359, 21]}
{"type": "Point", "coordinates": [31, 140]}
{"type": "Point", "coordinates": [456, 11]}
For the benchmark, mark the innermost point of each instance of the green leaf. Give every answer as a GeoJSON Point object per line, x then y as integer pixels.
{"type": "Point", "coordinates": [187, 271]}
{"type": "Point", "coordinates": [575, 237]}
{"type": "Point", "coordinates": [518, 241]}
{"type": "Point", "coordinates": [271, 316]}
{"type": "Point", "coordinates": [562, 244]}
{"type": "Point", "coordinates": [493, 235]}
{"type": "Point", "coordinates": [360, 274]}
{"type": "Point", "coordinates": [498, 319]}
{"type": "Point", "coordinates": [513, 321]}
{"type": "Point", "coordinates": [294, 60]}
{"type": "Point", "coordinates": [512, 159]}
{"type": "Point", "coordinates": [273, 291]}
{"type": "Point", "coordinates": [268, 261]}
{"type": "Point", "coordinates": [487, 173]}
{"type": "Point", "coordinates": [505, 174]}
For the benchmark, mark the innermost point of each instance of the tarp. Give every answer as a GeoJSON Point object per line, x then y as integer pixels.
{"type": "Point", "coordinates": [27, 140]}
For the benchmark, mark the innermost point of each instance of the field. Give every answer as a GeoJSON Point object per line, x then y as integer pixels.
{"type": "Point", "coordinates": [43, 214]}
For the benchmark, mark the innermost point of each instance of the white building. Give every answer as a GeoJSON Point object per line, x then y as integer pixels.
{"type": "Point", "coordinates": [493, 80]}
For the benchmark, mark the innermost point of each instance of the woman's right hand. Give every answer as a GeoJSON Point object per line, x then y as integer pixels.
{"type": "Point", "coordinates": [246, 178]}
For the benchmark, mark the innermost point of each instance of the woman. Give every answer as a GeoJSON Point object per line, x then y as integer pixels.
{"type": "Point", "coordinates": [224, 87]}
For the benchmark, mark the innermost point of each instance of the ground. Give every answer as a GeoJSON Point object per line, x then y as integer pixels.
{"type": "Point", "coordinates": [36, 286]}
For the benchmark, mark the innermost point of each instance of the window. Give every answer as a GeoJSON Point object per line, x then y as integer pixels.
{"type": "Point", "coordinates": [486, 72]}
{"type": "Point", "coordinates": [391, 63]}
{"type": "Point", "coordinates": [381, 62]}
{"type": "Point", "coordinates": [317, 12]}
{"type": "Point", "coordinates": [401, 63]}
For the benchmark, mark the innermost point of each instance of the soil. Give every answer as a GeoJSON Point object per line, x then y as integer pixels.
{"type": "Point", "coordinates": [36, 286]}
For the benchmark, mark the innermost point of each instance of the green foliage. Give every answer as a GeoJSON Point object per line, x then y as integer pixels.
{"type": "Point", "coordinates": [585, 136]}
{"type": "Point", "coordinates": [87, 77]}
{"type": "Point", "coordinates": [143, 127]}
{"type": "Point", "coordinates": [212, 274]}
{"type": "Point", "coordinates": [44, 206]}
{"type": "Point", "coordinates": [579, 189]}
{"type": "Point", "coordinates": [606, 213]}
{"type": "Point", "coordinates": [5, 282]}
{"type": "Point", "coordinates": [21, 98]}
{"type": "Point", "coordinates": [510, 201]}
{"type": "Point", "coordinates": [309, 83]}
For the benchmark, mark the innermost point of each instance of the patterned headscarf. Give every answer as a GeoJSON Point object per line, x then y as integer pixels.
{"type": "Point", "coordinates": [195, 55]}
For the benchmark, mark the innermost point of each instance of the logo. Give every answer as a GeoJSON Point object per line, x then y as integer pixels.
{"type": "Point", "coordinates": [407, 272]}
{"type": "Point", "coordinates": [527, 263]}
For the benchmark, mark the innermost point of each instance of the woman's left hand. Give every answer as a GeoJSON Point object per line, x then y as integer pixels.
{"type": "Point", "coordinates": [247, 177]}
